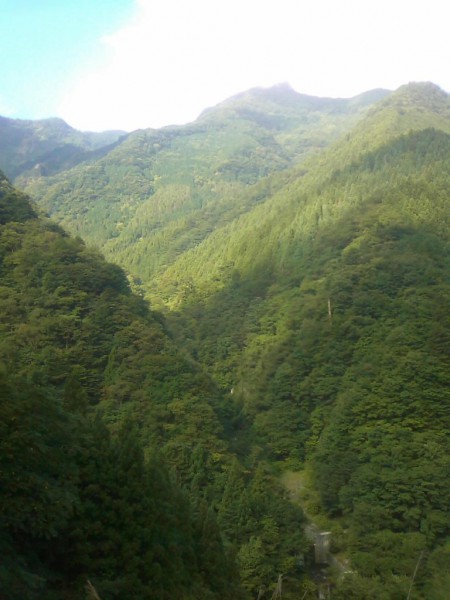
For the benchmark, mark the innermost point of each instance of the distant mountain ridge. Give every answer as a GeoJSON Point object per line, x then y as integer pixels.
{"type": "Point", "coordinates": [283, 96]}
{"type": "Point", "coordinates": [46, 146]}
{"type": "Point", "coordinates": [154, 186]}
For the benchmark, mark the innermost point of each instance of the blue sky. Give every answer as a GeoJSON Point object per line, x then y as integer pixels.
{"type": "Point", "coordinates": [128, 64]}
{"type": "Point", "coordinates": [45, 43]}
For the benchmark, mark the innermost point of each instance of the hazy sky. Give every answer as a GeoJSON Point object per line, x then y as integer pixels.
{"type": "Point", "coordinates": [125, 64]}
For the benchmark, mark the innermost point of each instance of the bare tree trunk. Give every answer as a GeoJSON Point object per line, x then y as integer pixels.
{"type": "Point", "coordinates": [91, 591]}
{"type": "Point", "coordinates": [278, 589]}
{"type": "Point", "coordinates": [414, 575]}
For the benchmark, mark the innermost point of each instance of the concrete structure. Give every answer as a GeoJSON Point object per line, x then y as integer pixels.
{"type": "Point", "coordinates": [322, 548]}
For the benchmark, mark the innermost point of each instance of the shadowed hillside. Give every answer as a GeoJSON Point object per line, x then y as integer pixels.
{"type": "Point", "coordinates": [115, 458]}
{"type": "Point", "coordinates": [299, 250]}
{"type": "Point", "coordinates": [36, 148]}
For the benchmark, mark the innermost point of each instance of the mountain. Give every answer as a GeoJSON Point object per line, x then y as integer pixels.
{"type": "Point", "coordinates": [298, 122]}
{"type": "Point", "coordinates": [76, 502]}
{"type": "Point", "coordinates": [325, 310]}
{"type": "Point", "coordinates": [116, 466]}
{"type": "Point", "coordinates": [298, 202]}
{"type": "Point", "coordinates": [160, 192]}
{"type": "Point", "coordinates": [47, 146]}
{"type": "Point", "coordinates": [307, 273]}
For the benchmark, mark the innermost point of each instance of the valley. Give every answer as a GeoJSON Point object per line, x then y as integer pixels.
{"type": "Point", "coordinates": [275, 311]}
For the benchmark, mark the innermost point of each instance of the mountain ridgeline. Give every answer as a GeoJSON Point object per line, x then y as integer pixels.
{"type": "Point", "coordinates": [158, 193]}
{"type": "Point", "coordinates": [295, 254]}
{"type": "Point", "coordinates": [47, 146]}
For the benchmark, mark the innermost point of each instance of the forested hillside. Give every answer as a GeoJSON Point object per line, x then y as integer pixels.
{"type": "Point", "coordinates": [161, 192]}
{"type": "Point", "coordinates": [103, 473]}
{"type": "Point", "coordinates": [35, 148]}
{"type": "Point", "coordinates": [325, 309]}
{"type": "Point", "coordinates": [298, 249]}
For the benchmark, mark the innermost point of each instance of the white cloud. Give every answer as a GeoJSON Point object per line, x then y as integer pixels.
{"type": "Point", "coordinates": [6, 109]}
{"type": "Point", "coordinates": [176, 57]}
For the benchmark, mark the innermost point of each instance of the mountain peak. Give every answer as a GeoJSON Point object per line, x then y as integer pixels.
{"type": "Point", "coordinates": [285, 102]}
{"type": "Point", "coordinates": [421, 87]}
{"type": "Point", "coordinates": [412, 107]}
{"type": "Point", "coordinates": [424, 95]}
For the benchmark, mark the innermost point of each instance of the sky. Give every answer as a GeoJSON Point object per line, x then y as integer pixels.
{"type": "Point", "coordinates": [129, 64]}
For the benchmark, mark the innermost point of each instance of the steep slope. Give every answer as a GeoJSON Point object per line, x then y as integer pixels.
{"type": "Point", "coordinates": [413, 107]}
{"type": "Point", "coordinates": [302, 200]}
{"type": "Point", "coordinates": [35, 148]}
{"type": "Point", "coordinates": [79, 501]}
{"type": "Point", "coordinates": [159, 193]}
{"type": "Point", "coordinates": [318, 300]}
{"type": "Point", "coordinates": [298, 122]}
{"type": "Point", "coordinates": [75, 503]}
{"type": "Point", "coordinates": [325, 311]}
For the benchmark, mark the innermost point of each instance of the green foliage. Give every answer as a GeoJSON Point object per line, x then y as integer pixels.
{"type": "Point", "coordinates": [435, 581]}
{"type": "Point", "coordinates": [316, 299]}
{"type": "Point", "coordinates": [13, 205]}
{"type": "Point", "coordinates": [35, 148]}
{"type": "Point", "coordinates": [135, 532]}
{"type": "Point", "coordinates": [256, 517]}
{"type": "Point", "coordinates": [157, 194]}
{"type": "Point", "coordinates": [324, 310]}
{"type": "Point", "coordinates": [76, 503]}
{"type": "Point", "coordinates": [37, 482]}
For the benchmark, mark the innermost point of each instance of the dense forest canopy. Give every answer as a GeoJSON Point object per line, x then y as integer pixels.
{"type": "Point", "coordinates": [158, 193]}
{"type": "Point", "coordinates": [133, 507]}
{"type": "Point", "coordinates": [47, 146]}
{"type": "Point", "coordinates": [297, 250]}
